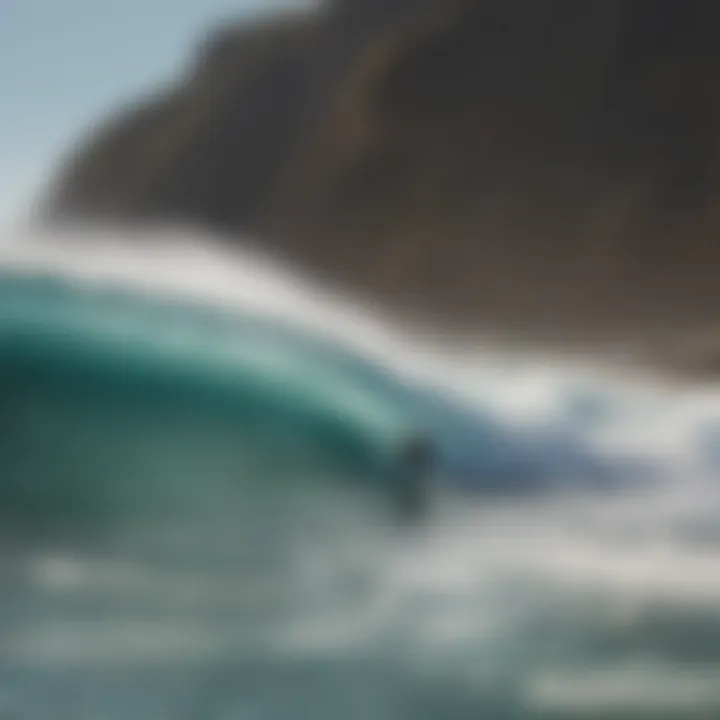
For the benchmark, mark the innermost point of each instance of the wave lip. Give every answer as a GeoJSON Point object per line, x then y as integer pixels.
{"type": "Point", "coordinates": [106, 363]}
{"type": "Point", "coordinates": [336, 381]}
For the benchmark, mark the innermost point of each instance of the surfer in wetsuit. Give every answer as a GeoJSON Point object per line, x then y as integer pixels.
{"type": "Point", "coordinates": [411, 492]}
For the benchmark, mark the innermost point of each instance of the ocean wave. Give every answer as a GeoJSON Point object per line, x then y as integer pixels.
{"type": "Point", "coordinates": [286, 573]}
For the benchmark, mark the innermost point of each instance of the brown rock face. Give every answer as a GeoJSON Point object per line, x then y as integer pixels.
{"type": "Point", "coordinates": [544, 167]}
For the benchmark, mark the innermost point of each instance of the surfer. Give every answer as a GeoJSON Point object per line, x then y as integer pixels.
{"type": "Point", "coordinates": [411, 492]}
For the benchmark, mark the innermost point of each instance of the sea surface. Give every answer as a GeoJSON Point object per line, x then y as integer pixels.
{"type": "Point", "coordinates": [569, 567]}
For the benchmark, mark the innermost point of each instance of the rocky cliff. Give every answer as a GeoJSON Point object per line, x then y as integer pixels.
{"type": "Point", "coordinates": [546, 167]}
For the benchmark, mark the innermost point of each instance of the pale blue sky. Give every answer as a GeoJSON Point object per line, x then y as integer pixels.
{"type": "Point", "coordinates": [66, 63]}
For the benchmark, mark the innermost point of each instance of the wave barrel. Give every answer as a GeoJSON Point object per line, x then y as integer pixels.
{"type": "Point", "coordinates": [115, 402]}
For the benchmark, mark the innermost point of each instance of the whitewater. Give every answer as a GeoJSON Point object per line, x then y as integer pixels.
{"type": "Point", "coordinates": [566, 603]}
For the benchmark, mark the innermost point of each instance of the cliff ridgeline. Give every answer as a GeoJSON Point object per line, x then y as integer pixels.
{"type": "Point", "coordinates": [550, 167]}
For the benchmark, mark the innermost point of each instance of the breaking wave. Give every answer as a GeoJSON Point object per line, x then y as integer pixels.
{"type": "Point", "coordinates": [591, 589]}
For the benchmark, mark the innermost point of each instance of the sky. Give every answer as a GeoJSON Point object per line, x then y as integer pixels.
{"type": "Point", "coordinates": [66, 64]}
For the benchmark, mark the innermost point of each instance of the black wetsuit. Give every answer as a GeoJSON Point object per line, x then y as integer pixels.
{"type": "Point", "coordinates": [411, 492]}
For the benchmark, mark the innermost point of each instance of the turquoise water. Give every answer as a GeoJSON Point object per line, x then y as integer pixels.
{"type": "Point", "coordinates": [195, 520]}
{"type": "Point", "coordinates": [117, 403]}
